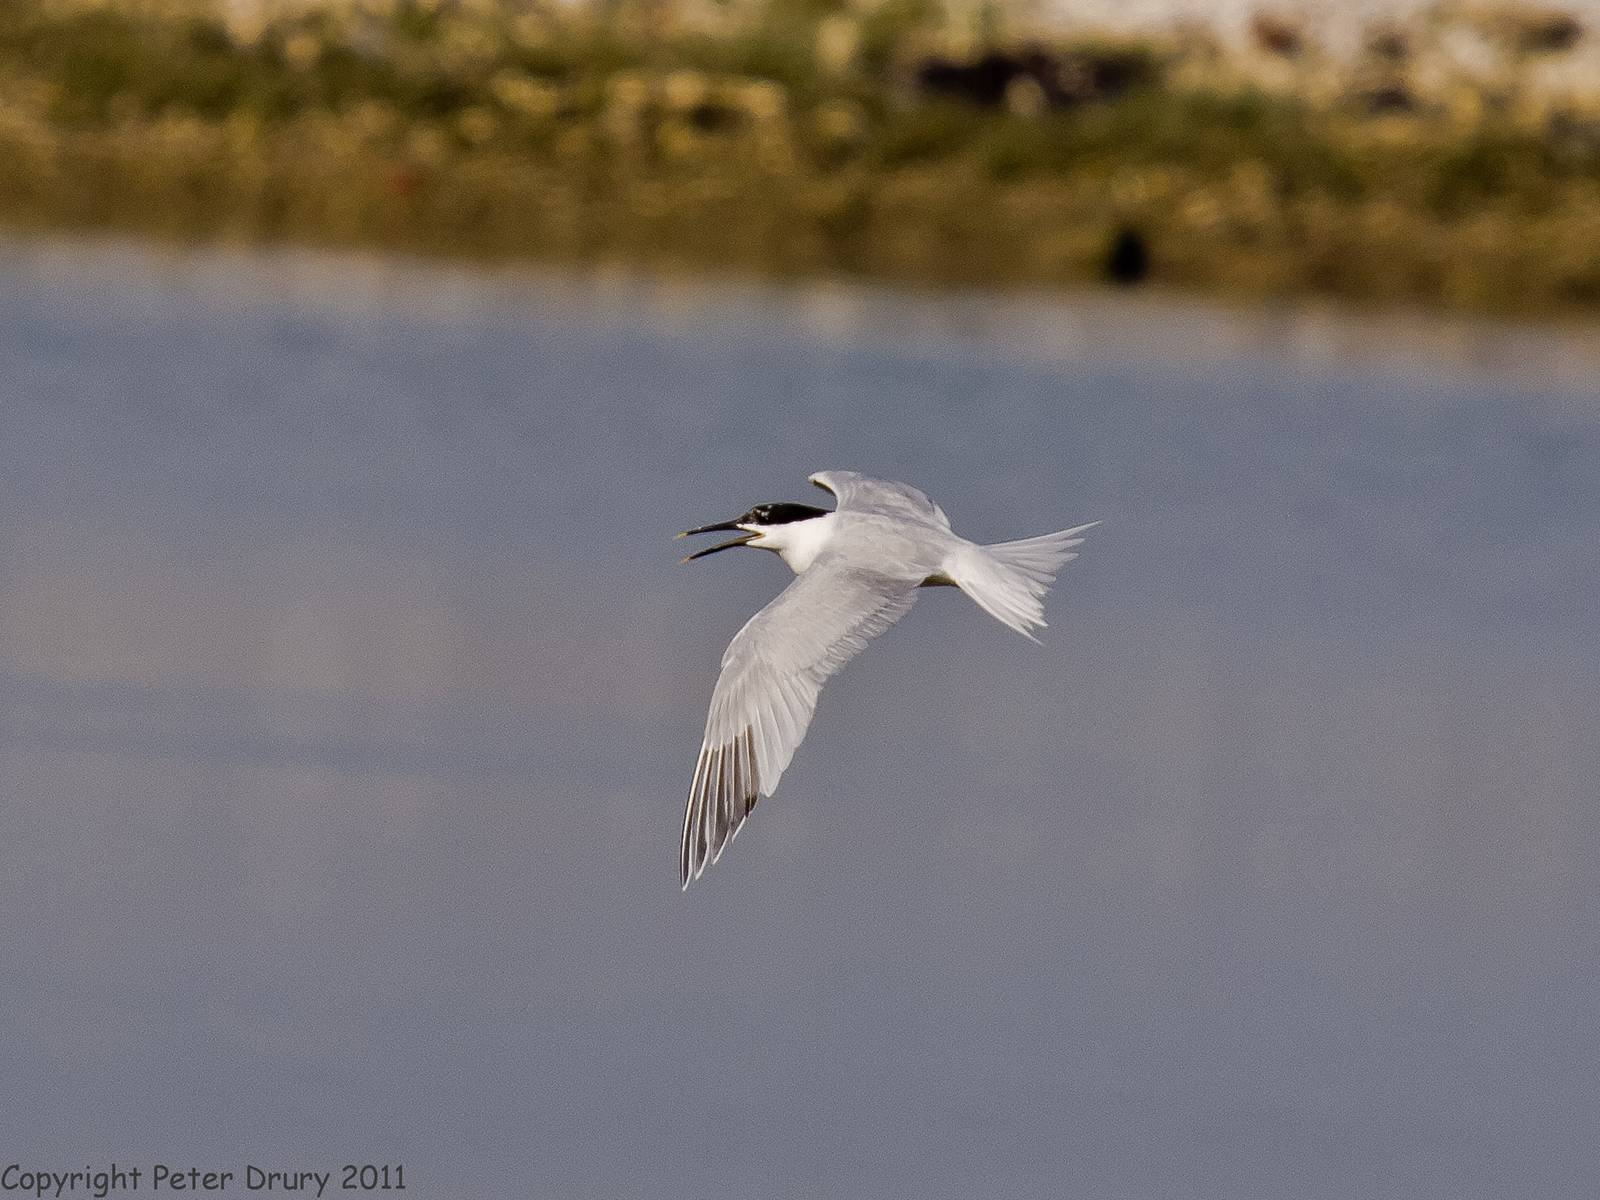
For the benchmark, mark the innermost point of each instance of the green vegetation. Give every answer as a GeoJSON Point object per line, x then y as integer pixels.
{"type": "Point", "coordinates": [792, 136]}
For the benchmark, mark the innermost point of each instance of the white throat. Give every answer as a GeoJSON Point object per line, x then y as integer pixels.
{"type": "Point", "coordinates": [798, 542]}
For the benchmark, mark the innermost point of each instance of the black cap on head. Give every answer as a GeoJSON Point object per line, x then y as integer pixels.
{"type": "Point", "coordinates": [761, 514]}
{"type": "Point", "coordinates": [780, 514]}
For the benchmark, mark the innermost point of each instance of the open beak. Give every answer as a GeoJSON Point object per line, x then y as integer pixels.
{"type": "Point", "coordinates": [720, 527]}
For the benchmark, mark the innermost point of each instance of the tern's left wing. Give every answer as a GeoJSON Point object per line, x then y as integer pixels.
{"type": "Point", "coordinates": [771, 675]}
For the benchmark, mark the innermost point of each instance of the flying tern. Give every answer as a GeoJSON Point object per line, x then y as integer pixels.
{"type": "Point", "coordinates": [857, 568]}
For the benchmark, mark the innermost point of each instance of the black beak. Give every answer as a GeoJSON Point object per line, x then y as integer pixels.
{"type": "Point", "coordinates": [717, 528]}
{"type": "Point", "coordinates": [721, 526]}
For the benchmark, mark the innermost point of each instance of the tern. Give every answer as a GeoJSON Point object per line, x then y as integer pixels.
{"type": "Point", "coordinates": [857, 571]}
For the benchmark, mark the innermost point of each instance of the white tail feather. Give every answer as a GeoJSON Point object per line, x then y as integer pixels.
{"type": "Point", "coordinates": [1008, 580]}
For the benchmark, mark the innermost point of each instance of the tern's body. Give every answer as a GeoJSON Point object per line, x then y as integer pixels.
{"type": "Point", "coordinates": [858, 569]}
{"type": "Point", "coordinates": [905, 547]}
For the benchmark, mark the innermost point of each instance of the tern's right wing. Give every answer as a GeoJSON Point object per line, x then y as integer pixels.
{"type": "Point", "coordinates": [771, 675]}
{"type": "Point", "coordinates": [860, 493]}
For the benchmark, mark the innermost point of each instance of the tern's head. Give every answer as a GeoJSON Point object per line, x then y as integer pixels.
{"type": "Point", "coordinates": [755, 525]}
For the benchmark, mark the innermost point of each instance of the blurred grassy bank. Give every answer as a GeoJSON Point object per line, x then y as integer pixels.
{"type": "Point", "coordinates": [796, 137]}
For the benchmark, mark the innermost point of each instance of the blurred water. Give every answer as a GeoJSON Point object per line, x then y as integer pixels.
{"type": "Point", "coordinates": [349, 690]}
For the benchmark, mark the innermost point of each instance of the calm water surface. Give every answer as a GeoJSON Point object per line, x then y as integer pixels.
{"type": "Point", "coordinates": [349, 691]}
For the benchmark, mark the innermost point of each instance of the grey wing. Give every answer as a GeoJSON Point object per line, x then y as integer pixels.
{"type": "Point", "coordinates": [771, 675]}
{"type": "Point", "coordinates": [859, 493]}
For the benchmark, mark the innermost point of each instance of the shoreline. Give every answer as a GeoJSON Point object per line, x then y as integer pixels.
{"type": "Point", "coordinates": [791, 149]}
{"type": "Point", "coordinates": [1046, 326]}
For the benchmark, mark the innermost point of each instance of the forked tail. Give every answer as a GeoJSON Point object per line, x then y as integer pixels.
{"type": "Point", "coordinates": [1009, 579]}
